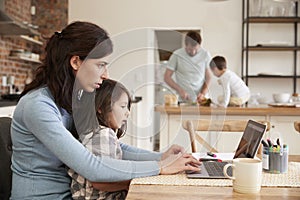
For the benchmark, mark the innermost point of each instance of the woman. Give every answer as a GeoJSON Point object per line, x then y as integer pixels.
{"type": "Point", "coordinates": [43, 131]}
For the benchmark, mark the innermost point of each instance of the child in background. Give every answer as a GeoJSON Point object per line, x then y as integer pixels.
{"type": "Point", "coordinates": [112, 104]}
{"type": "Point", "coordinates": [235, 91]}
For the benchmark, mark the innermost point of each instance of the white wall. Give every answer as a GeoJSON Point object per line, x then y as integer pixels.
{"type": "Point", "coordinates": [125, 20]}
{"type": "Point", "coordinates": [221, 21]}
{"type": "Point", "coordinates": [221, 26]}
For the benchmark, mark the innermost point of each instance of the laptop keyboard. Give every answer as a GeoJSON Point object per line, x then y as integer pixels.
{"type": "Point", "coordinates": [216, 168]}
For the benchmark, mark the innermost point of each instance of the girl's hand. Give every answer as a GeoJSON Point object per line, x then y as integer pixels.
{"type": "Point", "coordinates": [174, 149]}
{"type": "Point", "coordinates": [179, 163]}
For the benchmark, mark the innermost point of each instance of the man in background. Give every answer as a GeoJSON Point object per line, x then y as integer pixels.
{"type": "Point", "coordinates": [190, 65]}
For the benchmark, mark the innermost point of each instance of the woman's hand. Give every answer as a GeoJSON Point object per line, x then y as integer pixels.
{"type": "Point", "coordinates": [177, 163]}
{"type": "Point", "coordinates": [173, 150]}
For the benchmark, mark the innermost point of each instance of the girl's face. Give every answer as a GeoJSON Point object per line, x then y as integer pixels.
{"type": "Point", "coordinates": [90, 72]}
{"type": "Point", "coordinates": [120, 112]}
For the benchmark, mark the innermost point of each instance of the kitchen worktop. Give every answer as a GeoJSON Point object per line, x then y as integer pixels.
{"type": "Point", "coordinates": [258, 110]}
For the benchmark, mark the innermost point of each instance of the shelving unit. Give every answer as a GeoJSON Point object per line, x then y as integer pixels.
{"type": "Point", "coordinates": [246, 48]}
{"type": "Point", "coordinates": [31, 57]}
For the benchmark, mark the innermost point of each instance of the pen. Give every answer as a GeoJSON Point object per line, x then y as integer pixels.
{"type": "Point", "coordinates": [210, 159]}
{"type": "Point", "coordinates": [211, 154]}
{"type": "Point", "coordinates": [264, 143]}
{"type": "Point", "coordinates": [269, 142]}
{"type": "Point", "coordinates": [278, 142]}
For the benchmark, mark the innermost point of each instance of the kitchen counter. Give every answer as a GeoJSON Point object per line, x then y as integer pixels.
{"type": "Point", "coordinates": [261, 110]}
{"type": "Point", "coordinates": [5, 103]}
{"type": "Point", "coordinates": [281, 118]}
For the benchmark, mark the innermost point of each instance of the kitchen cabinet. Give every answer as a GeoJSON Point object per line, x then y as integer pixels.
{"type": "Point", "coordinates": [265, 50]}
{"type": "Point", "coordinates": [281, 119]}
{"type": "Point", "coordinates": [173, 132]}
{"type": "Point", "coordinates": [283, 128]}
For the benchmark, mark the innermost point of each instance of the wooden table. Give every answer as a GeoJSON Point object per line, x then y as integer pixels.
{"type": "Point", "coordinates": [162, 192]}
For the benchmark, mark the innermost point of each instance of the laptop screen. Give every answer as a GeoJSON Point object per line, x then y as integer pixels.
{"type": "Point", "coordinates": [250, 140]}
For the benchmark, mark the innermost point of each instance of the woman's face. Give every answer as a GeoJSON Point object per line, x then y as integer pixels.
{"type": "Point", "coordinates": [120, 112]}
{"type": "Point", "coordinates": [91, 73]}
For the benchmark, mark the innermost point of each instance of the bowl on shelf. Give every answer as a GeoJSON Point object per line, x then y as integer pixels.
{"type": "Point", "coordinates": [281, 97]}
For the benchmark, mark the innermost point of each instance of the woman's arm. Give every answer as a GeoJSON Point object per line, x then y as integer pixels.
{"type": "Point", "coordinates": [111, 186]}
{"type": "Point", "coordinates": [134, 153]}
{"type": "Point", "coordinates": [44, 120]}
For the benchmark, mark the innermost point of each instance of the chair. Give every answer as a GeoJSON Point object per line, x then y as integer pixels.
{"type": "Point", "coordinates": [297, 126]}
{"type": "Point", "coordinates": [5, 158]}
{"type": "Point", "coordinates": [192, 126]}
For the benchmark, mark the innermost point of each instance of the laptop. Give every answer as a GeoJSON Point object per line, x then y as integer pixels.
{"type": "Point", "coordinates": [247, 148]}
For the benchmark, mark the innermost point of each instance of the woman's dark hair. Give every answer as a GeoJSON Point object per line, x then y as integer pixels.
{"type": "Point", "coordinates": [218, 62]}
{"type": "Point", "coordinates": [82, 39]}
{"type": "Point", "coordinates": [193, 38]}
{"type": "Point", "coordinates": [109, 92]}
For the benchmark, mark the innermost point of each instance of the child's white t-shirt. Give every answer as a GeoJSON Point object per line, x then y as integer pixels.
{"type": "Point", "coordinates": [233, 86]}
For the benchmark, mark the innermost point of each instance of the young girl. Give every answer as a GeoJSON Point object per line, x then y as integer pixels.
{"type": "Point", "coordinates": [112, 105]}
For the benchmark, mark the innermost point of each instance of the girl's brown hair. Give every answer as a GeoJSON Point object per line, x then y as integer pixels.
{"type": "Point", "coordinates": [109, 92]}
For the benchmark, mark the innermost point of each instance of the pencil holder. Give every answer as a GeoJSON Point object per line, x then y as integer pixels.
{"type": "Point", "coordinates": [275, 159]}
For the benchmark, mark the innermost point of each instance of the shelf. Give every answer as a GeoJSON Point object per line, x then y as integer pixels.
{"type": "Point", "coordinates": [270, 76]}
{"type": "Point", "coordinates": [25, 37]}
{"type": "Point", "coordinates": [15, 28]}
{"type": "Point", "coordinates": [272, 48]}
{"type": "Point", "coordinates": [24, 58]}
{"type": "Point", "coordinates": [272, 20]}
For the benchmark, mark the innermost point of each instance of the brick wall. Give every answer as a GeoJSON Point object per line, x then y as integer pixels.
{"type": "Point", "coordinates": [51, 15]}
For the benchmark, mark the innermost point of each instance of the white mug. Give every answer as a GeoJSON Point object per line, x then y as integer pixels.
{"type": "Point", "coordinates": [246, 174]}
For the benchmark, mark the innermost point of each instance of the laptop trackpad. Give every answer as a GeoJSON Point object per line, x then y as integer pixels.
{"type": "Point", "coordinates": [202, 173]}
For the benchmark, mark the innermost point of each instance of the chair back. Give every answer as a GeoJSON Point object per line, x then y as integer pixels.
{"type": "Point", "coordinates": [192, 126]}
{"type": "Point", "coordinates": [297, 126]}
{"type": "Point", "coordinates": [5, 158]}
